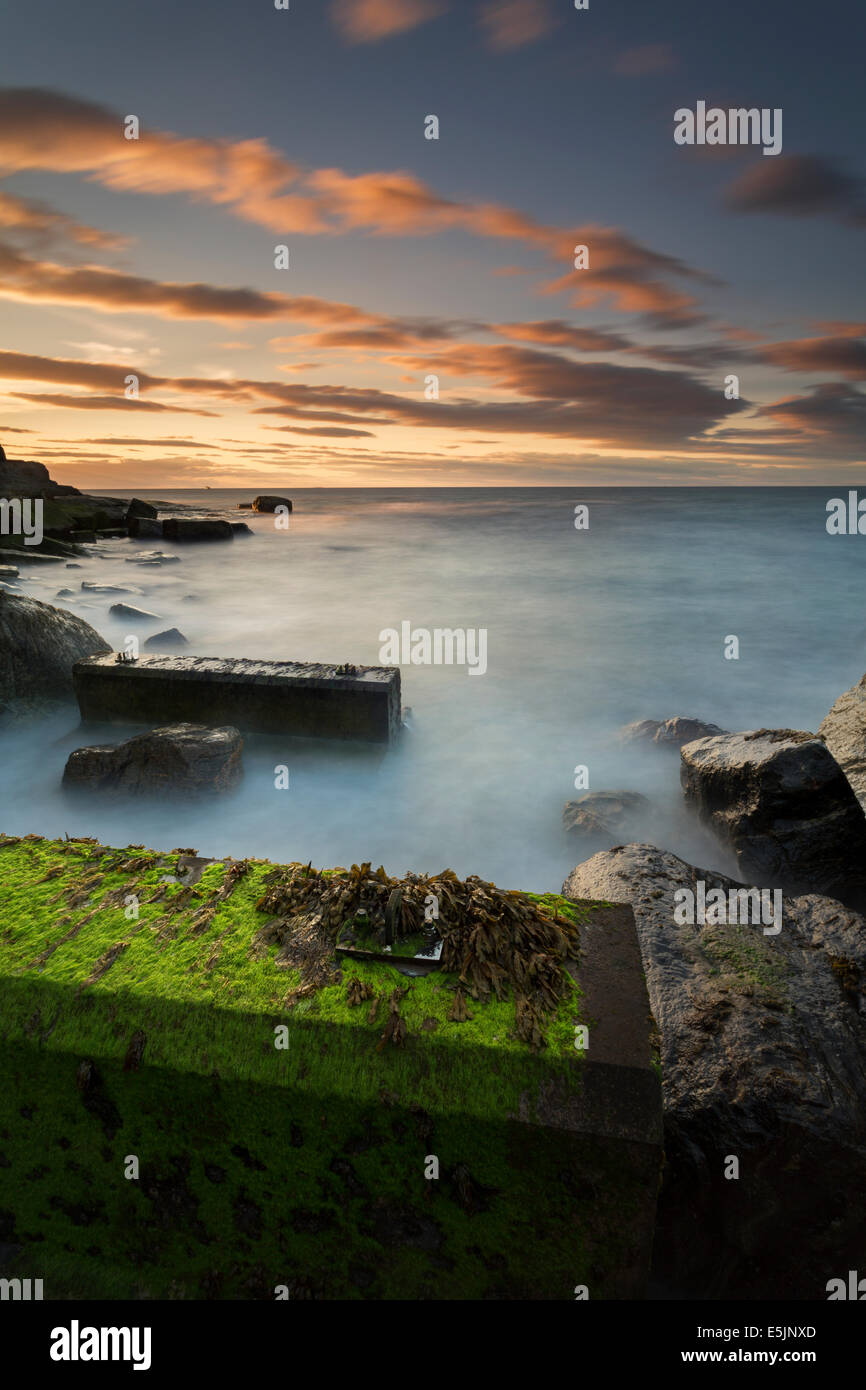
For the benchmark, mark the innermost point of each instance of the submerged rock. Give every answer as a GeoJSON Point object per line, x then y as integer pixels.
{"type": "Point", "coordinates": [39, 645]}
{"type": "Point", "coordinates": [677, 731]}
{"type": "Point", "coordinates": [844, 731]}
{"type": "Point", "coordinates": [671, 732]}
{"type": "Point", "coordinates": [167, 641]}
{"type": "Point", "coordinates": [142, 527]}
{"type": "Point", "coordinates": [780, 801]}
{"type": "Point", "coordinates": [173, 758]}
{"type": "Point", "coordinates": [132, 615]}
{"type": "Point", "coordinates": [196, 529]}
{"type": "Point", "coordinates": [604, 815]}
{"type": "Point", "coordinates": [267, 503]}
{"type": "Point", "coordinates": [763, 1057]}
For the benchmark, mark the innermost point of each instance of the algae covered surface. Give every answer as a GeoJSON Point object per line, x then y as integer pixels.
{"type": "Point", "coordinates": [342, 1131]}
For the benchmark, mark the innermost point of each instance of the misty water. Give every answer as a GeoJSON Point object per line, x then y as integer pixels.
{"type": "Point", "coordinates": [586, 630]}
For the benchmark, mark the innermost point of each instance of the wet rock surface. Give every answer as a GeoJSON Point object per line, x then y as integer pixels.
{"type": "Point", "coordinates": [39, 645]}
{"type": "Point", "coordinates": [176, 758]}
{"type": "Point", "coordinates": [780, 801]}
{"type": "Point", "coordinates": [844, 731]}
{"type": "Point", "coordinates": [763, 1057]}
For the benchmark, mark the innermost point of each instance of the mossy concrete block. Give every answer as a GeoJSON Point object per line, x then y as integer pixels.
{"type": "Point", "coordinates": [304, 699]}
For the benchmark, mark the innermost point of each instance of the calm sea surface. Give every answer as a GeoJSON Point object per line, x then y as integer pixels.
{"type": "Point", "coordinates": [586, 630]}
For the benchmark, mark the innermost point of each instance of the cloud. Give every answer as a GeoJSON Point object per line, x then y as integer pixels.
{"type": "Point", "coordinates": [47, 130]}
{"type": "Point", "coordinates": [843, 354]}
{"type": "Point", "coordinates": [832, 416]}
{"type": "Point", "coordinates": [328, 431]}
{"type": "Point", "coordinates": [801, 186]}
{"type": "Point", "coordinates": [510, 24]}
{"type": "Point", "coordinates": [105, 403]}
{"type": "Point", "coordinates": [645, 59]}
{"type": "Point", "coordinates": [555, 333]}
{"type": "Point", "coordinates": [368, 21]}
{"type": "Point", "coordinates": [40, 224]}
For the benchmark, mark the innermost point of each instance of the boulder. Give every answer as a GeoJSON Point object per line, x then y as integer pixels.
{"type": "Point", "coordinates": [763, 1058]}
{"type": "Point", "coordinates": [168, 641]}
{"type": "Point", "coordinates": [174, 758]}
{"type": "Point", "coordinates": [143, 528]}
{"type": "Point", "coordinates": [39, 645]}
{"type": "Point", "coordinates": [604, 815]}
{"type": "Point", "coordinates": [240, 528]}
{"type": "Point", "coordinates": [65, 593]}
{"type": "Point", "coordinates": [639, 730]}
{"type": "Point", "coordinates": [132, 615]}
{"type": "Point", "coordinates": [28, 557]}
{"type": "Point", "coordinates": [245, 506]}
{"type": "Point", "coordinates": [844, 732]}
{"type": "Point", "coordinates": [196, 529]}
{"type": "Point", "coordinates": [140, 509]}
{"type": "Point", "coordinates": [92, 588]}
{"type": "Point", "coordinates": [780, 801]}
{"type": "Point", "coordinates": [671, 732]}
{"type": "Point", "coordinates": [677, 731]}
{"type": "Point", "coordinates": [270, 504]}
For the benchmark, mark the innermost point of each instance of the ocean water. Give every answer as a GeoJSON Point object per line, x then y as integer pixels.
{"type": "Point", "coordinates": [586, 630]}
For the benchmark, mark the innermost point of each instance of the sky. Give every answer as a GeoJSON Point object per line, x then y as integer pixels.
{"type": "Point", "coordinates": [431, 327]}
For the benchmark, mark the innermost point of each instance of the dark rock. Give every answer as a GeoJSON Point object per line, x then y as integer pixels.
{"type": "Point", "coordinates": [28, 557]}
{"type": "Point", "coordinates": [140, 509]}
{"type": "Point", "coordinates": [640, 731]}
{"type": "Point", "coordinates": [270, 504]}
{"type": "Point", "coordinates": [39, 645]}
{"type": "Point", "coordinates": [26, 478]}
{"type": "Point", "coordinates": [141, 527]}
{"type": "Point", "coordinates": [763, 1057]}
{"type": "Point", "coordinates": [245, 506]}
{"type": "Point", "coordinates": [605, 815]}
{"type": "Point", "coordinates": [8, 572]}
{"type": "Point", "coordinates": [153, 557]}
{"type": "Point", "coordinates": [677, 731]}
{"type": "Point", "coordinates": [175, 758]}
{"type": "Point", "coordinates": [196, 529]}
{"type": "Point", "coordinates": [65, 593]}
{"type": "Point", "coordinates": [844, 732]}
{"type": "Point", "coordinates": [240, 528]}
{"type": "Point", "coordinates": [780, 801]}
{"type": "Point", "coordinates": [132, 615]}
{"type": "Point", "coordinates": [170, 640]}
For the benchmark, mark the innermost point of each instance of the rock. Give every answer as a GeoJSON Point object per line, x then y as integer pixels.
{"type": "Point", "coordinates": [28, 557]}
{"type": "Point", "coordinates": [153, 557]}
{"type": "Point", "coordinates": [240, 528]}
{"type": "Point", "coordinates": [173, 758]}
{"type": "Point", "coordinates": [65, 593]}
{"type": "Point", "coordinates": [39, 645]}
{"type": "Point", "coordinates": [270, 504]}
{"type": "Point", "coordinates": [638, 731]}
{"type": "Point", "coordinates": [605, 815]}
{"type": "Point", "coordinates": [91, 588]}
{"type": "Point", "coordinates": [26, 478]}
{"type": "Point", "coordinates": [196, 529]}
{"type": "Point", "coordinates": [844, 731]}
{"type": "Point", "coordinates": [132, 615]}
{"type": "Point", "coordinates": [143, 528]}
{"type": "Point", "coordinates": [82, 537]}
{"type": "Point", "coordinates": [141, 510]}
{"type": "Point", "coordinates": [245, 506]}
{"type": "Point", "coordinates": [71, 565]}
{"type": "Point", "coordinates": [675, 732]}
{"type": "Point", "coordinates": [167, 641]}
{"type": "Point", "coordinates": [8, 572]}
{"type": "Point", "coordinates": [763, 1057]}
{"type": "Point", "coordinates": [780, 801]}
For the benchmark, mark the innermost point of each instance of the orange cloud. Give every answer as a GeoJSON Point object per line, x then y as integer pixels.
{"type": "Point", "coordinates": [510, 24]}
{"type": "Point", "coordinates": [366, 21]}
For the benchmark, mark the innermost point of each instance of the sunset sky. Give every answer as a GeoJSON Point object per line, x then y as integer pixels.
{"type": "Point", "coordinates": [411, 257]}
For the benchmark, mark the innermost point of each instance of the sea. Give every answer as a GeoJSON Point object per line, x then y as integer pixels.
{"type": "Point", "coordinates": [627, 615]}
